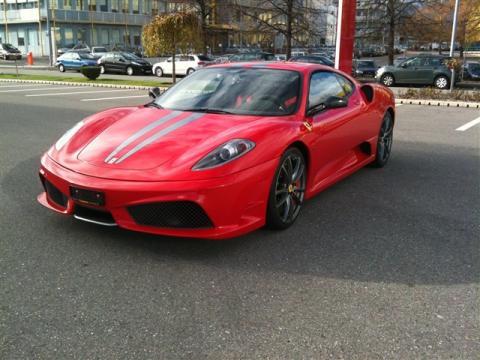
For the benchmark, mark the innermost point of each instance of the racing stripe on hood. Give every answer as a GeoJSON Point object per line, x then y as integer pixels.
{"type": "Point", "coordinates": [140, 133]}
{"type": "Point", "coordinates": [161, 133]}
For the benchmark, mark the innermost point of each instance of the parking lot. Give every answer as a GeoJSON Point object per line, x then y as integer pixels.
{"type": "Point", "coordinates": [383, 265]}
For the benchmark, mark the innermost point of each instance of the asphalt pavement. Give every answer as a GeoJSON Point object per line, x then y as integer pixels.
{"type": "Point", "coordinates": [383, 265]}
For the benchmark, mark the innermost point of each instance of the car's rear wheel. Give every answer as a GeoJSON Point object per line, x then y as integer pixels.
{"type": "Point", "coordinates": [288, 190]}
{"type": "Point", "coordinates": [129, 71]}
{"type": "Point", "coordinates": [102, 69]}
{"type": "Point", "coordinates": [61, 68]}
{"type": "Point", "coordinates": [441, 82]}
{"type": "Point", "coordinates": [384, 142]}
{"type": "Point", "coordinates": [159, 71]}
{"type": "Point", "coordinates": [387, 80]}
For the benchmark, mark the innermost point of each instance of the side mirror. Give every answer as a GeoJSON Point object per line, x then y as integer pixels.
{"type": "Point", "coordinates": [154, 92]}
{"type": "Point", "coordinates": [335, 102]}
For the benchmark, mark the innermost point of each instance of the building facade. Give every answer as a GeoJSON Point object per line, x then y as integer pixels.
{"type": "Point", "coordinates": [23, 23]}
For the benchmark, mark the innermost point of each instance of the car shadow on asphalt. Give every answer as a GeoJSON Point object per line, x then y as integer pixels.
{"type": "Point", "coordinates": [407, 223]}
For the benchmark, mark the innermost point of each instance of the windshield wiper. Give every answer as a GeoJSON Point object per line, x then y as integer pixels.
{"type": "Point", "coordinates": [154, 104]}
{"type": "Point", "coordinates": [209, 110]}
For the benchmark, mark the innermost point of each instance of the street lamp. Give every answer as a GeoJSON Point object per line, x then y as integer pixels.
{"type": "Point", "coordinates": [452, 41]}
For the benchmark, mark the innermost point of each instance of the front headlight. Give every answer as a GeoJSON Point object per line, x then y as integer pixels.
{"type": "Point", "coordinates": [68, 135]}
{"type": "Point", "coordinates": [225, 153]}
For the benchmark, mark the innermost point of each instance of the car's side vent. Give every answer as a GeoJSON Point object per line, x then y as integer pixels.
{"type": "Point", "coordinates": [368, 91]}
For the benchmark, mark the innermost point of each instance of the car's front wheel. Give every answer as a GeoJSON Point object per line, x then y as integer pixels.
{"type": "Point", "coordinates": [288, 190]}
{"type": "Point", "coordinates": [441, 82]}
{"type": "Point", "coordinates": [387, 80]}
{"type": "Point", "coordinates": [61, 68]}
{"type": "Point", "coordinates": [102, 69]}
{"type": "Point", "coordinates": [159, 72]}
{"type": "Point", "coordinates": [384, 142]}
{"type": "Point", "coordinates": [129, 71]}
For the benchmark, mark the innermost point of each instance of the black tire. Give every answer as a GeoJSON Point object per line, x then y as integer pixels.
{"type": "Point", "coordinates": [129, 71]}
{"type": "Point", "coordinates": [61, 68]}
{"type": "Point", "coordinates": [384, 142]}
{"type": "Point", "coordinates": [287, 191]}
{"type": "Point", "coordinates": [441, 82]}
{"type": "Point", "coordinates": [190, 71]}
{"type": "Point", "coordinates": [387, 79]}
{"type": "Point", "coordinates": [102, 69]}
{"type": "Point", "coordinates": [159, 72]}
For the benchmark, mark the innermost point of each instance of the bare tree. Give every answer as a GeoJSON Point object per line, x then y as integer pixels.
{"type": "Point", "coordinates": [390, 16]}
{"type": "Point", "coordinates": [290, 18]}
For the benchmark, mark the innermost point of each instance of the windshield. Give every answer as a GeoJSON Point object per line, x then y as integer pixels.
{"type": "Point", "coordinates": [8, 47]}
{"type": "Point", "coordinates": [204, 58]}
{"type": "Point", "coordinates": [85, 55]}
{"type": "Point", "coordinates": [130, 56]}
{"type": "Point", "coordinates": [366, 64]}
{"type": "Point", "coordinates": [99, 49]}
{"type": "Point", "coordinates": [236, 90]}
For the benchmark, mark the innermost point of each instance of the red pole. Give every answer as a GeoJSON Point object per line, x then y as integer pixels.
{"type": "Point", "coordinates": [345, 35]}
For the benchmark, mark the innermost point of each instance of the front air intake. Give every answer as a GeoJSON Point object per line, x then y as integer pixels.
{"type": "Point", "coordinates": [171, 214]}
{"type": "Point", "coordinates": [54, 194]}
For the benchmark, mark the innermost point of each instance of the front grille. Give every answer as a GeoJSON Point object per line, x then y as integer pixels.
{"type": "Point", "coordinates": [54, 194]}
{"type": "Point", "coordinates": [171, 214]}
{"type": "Point", "coordinates": [93, 215]}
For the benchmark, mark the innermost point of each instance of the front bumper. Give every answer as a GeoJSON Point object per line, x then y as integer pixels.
{"type": "Point", "coordinates": [235, 204]}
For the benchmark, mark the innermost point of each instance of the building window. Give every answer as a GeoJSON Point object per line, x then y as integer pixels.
{"type": "Point", "coordinates": [21, 41]}
{"type": "Point", "coordinates": [103, 5]}
{"type": "Point", "coordinates": [115, 5]}
{"type": "Point", "coordinates": [92, 5]}
{"type": "Point", "coordinates": [125, 6]}
{"type": "Point", "coordinates": [137, 41]}
{"type": "Point", "coordinates": [79, 5]}
{"type": "Point", "coordinates": [135, 6]}
{"type": "Point", "coordinates": [67, 4]}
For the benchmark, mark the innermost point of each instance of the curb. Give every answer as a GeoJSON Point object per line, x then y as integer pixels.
{"type": "Point", "coordinates": [114, 86]}
{"type": "Point", "coordinates": [447, 103]}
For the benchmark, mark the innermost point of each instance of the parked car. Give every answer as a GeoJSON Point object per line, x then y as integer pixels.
{"type": "Point", "coordinates": [74, 60]}
{"type": "Point", "coordinates": [258, 56]}
{"type": "Point", "coordinates": [364, 68]}
{"type": "Point", "coordinates": [280, 57]}
{"type": "Point", "coordinates": [422, 70]}
{"type": "Point", "coordinates": [313, 59]}
{"type": "Point", "coordinates": [9, 52]}
{"type": "Point", "coordinates": [125, 63]}
{"type": "Point", "coordinates": [184, 65]}
{"type": "Point", "coordinates": [98, 51]}
{"type": "Point", "coordinates": [471, 71]}
{"type": "Point", "coordinates": [80, 47]}
{"type": "Point", "coordinates": [225, 151]}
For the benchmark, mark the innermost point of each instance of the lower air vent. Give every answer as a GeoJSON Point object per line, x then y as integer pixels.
{"type": "Point", "coordinates": [172, 214]}
{"type": "Point", "coordinates": [54, 194]}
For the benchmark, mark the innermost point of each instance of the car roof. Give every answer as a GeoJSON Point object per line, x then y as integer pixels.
{"type": "Point", "coordinates": [277, 65]}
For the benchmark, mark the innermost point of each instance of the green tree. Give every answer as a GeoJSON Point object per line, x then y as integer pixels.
{"type": "Point", "coordinates": [171, 33]}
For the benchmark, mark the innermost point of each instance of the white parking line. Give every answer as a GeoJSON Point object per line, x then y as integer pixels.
{"type": "Point", "coordinates": [77, 92]}
{"type": "Point", "coordinates": [43, 88]}
{"type": "Point", "coordinates": [114, 98]}
{"type": "Point", "coordinates": [468, 125]}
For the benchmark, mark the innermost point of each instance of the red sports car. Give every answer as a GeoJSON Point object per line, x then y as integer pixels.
{"type": "Point", "coordinates": [225, 151]}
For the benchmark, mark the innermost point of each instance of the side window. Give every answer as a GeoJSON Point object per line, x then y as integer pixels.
{"type": "Point", "coordinates": [414, 62]}
{"type": "Point", "coordinates": [191, 58]}
{"type": "Point", "coordinates": [345, 84]}
{"type": "Point", "coordinates": [323, 85]}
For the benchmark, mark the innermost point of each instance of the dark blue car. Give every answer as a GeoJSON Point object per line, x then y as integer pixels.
{"type": "Point", "coordinates": [73, 60]}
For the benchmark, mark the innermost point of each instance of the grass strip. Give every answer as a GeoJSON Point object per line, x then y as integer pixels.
{"type": "Point", "coordinates": [99, 81]}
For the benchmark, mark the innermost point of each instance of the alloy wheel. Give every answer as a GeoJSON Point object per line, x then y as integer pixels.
{"type": "Point", "coordinates": [290, 187]}
{"type": "Point", "coordinates": [441, 82]}
{"type": "Point", "coordinates": [387, 80]}
{"type": "Point", "coordinates": [385, 140]}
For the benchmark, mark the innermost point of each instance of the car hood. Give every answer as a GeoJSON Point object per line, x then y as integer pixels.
{"type": "Point", "coordinates": [147, 143]}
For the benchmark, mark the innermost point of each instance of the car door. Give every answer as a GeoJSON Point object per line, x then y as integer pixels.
{"type": "Point", "coordinates": [424, 71]}
{"type": "Point", "coordinates": [108, 62]}
{"type": "Point", "coordinates": [407, 72]}
{"type": "Point", "coordinates": [167, 66]}
{"type": "Point", "coordinates": [336, 130]}
{"type": "Point", "coordinates": [120, 63]}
